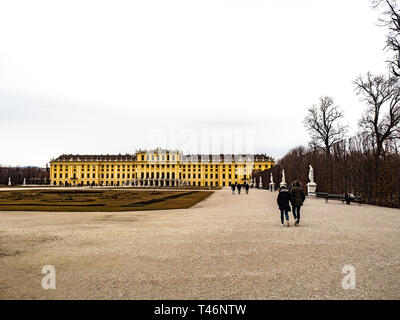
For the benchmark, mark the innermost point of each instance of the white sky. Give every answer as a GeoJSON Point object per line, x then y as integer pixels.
{"type": "Point", "coordinates": [114, 76]}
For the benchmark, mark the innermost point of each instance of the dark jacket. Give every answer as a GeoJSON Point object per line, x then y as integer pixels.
{"type": "Point", "coordinates": [297, 196]}
{"type": "Point", "coordinates": [283, 199]}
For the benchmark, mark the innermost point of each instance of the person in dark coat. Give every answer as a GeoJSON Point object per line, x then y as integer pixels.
{"type": "Point", "coordinates": [239, 187]}
{"type": "Point", "coordinates": [233, 187]}
{"type": "Point", "coordinates": [348, 198]}
{"type": "Point", "coordinates": [283, 203]}
{"type": "Point", "coordinates": [247, 187]}
{"type": "Point", "coordinates": [297, 196]}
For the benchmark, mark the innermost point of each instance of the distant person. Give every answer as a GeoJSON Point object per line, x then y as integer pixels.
{"type": "Point", "coordinates": [247, 187]}
{"type": "Point", "coordinates": [284, 205]}
{"type": "Point", "coordinates": [297, 196]}
{"type": "Point", "coordinates": [348, 197]}
{"type": "Point", "coordinates": [233, 187]}
{"type": "Point", "coordinates": [239, 187]}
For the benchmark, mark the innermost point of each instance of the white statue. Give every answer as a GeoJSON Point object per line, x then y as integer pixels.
{"type": "Point", "coordinates": [260, 180]}
{"type": "Point", "coordinates": [283, 177]}
{"type": "Point", "coordinates": [9, 181]}
{"type": "Point", "coordinates": [24, 183]}
{"type": "Point", "coordinates": [271, 179]}
{"type": "Point", "coordinates": [311, 186]}
{"type": "Point", "coordinates": [311, 174]}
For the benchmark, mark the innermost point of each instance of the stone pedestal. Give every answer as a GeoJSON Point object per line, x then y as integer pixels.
{"type": "Point", "coordinates": [272, 186]}
{"type": "Point", "coordinates": [311, 187]}
{"type": "Point", "coordinates": [283, 184]}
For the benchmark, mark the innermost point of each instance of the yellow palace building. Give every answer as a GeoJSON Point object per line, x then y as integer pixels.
{"type": "Point", "coordinates": [156, 168]}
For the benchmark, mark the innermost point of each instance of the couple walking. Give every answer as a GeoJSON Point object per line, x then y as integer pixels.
{"type": "Point", "coordinates": [295, 196]}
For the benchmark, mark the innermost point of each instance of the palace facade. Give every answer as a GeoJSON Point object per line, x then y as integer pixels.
{"type": "Point", "coordinates": [158, 168]}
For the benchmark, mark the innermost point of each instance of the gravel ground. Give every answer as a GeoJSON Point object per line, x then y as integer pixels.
{"type": "Point", "coordinates": [226, 247]}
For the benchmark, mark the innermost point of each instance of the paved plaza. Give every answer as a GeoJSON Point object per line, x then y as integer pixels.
{"type": "Point", "coordinates": [226, 247]}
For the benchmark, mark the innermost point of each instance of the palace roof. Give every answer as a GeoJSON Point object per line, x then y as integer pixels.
{"type": "Point", "coordinates": [185, 158]}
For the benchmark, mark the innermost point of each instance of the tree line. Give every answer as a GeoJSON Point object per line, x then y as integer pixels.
{"type": "Point", "coordinates": [368, 163]}
{"type": "Point", "coordinates": [33, 175]}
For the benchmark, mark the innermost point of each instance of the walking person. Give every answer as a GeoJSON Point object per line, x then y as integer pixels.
{"type": "Point", "coordinates": [297, 196]}
{"type": "Point", "coordinates": [283, 203]}
{"type": "Point", "coordinates": [233, 187]}
{"type": "Point", "coordinates": [239, 187]}
{"type": "Point", "coordinates": [348, 197]}
{"type": "Point", "coordinates": [247, 187]}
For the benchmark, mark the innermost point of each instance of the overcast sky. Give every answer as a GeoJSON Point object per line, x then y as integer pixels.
{"type": "Point", "coordinates": [115, 76]}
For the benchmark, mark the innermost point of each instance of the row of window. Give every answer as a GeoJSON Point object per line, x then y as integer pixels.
{"type": "Point", "coordinates": [148, 175]}
{"type": "Point", "coordinates": [188, 167]}
{"type": "Point", "coordinates": [122, 183]}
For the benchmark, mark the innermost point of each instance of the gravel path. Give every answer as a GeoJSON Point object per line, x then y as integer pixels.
{"type": "Point", "coordinates": [226, 247]}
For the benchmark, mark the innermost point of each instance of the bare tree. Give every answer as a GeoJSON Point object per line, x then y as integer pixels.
{"type": "Point", "coordinates": [323, 124]}
{"type": "Point", "coordinates": [380, 93]}
{"type": "Point", "coordinates": [391, 19]}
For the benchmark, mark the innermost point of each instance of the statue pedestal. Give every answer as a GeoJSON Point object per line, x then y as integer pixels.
{"type": "Point", "coordinates": [311, 187]}
{"type": "Point", "coordinates": [272, 186]}
{"type": "Point", "coordinates": [283, 184]}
